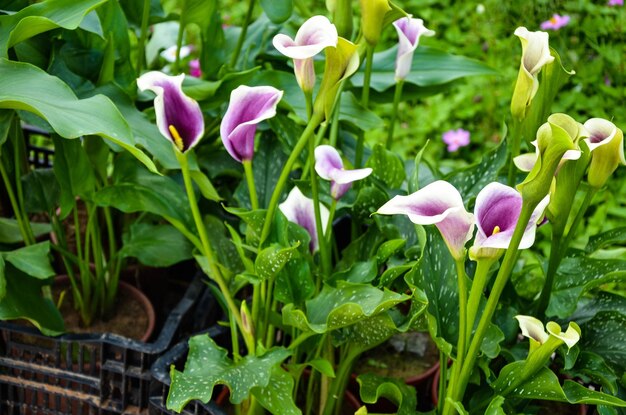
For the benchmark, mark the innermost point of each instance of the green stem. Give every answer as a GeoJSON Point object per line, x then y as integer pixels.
{"type": "Point", "coordinates": [501, 279]}
{"type": "Point", "coordinates": [254, 200]}
{"type": "Point", "coordinates": [20, 159]}
{"type": "Point", "coordinates": [318, 139]}
{"type": "Point", "coordinates": [331, 216]}
{"type": "Point", "coordinates": [514, 149]}
{"type": "Point", "coordinates": [308, 99]}
{"type": "Point", "coordinates": [335, 396]}
{"type": "Point", "coordinates": [461, 342]}
{"type": "Point", "coordinates": [141, 53]}
{"type": "Point", "coordinates": [284, 175]}
{"type": "Point", "coordinates": [394, 113]}
{"type": "Point", "coordinates": [16, 209]}
{"type": "Point", "coordinates": [242, 35]}
{"type": "Point", "coordinates": [334, 126]}
{"type": "Point", "coordinates": [481, 276]}
{"type": "Point", "coordinates": [179, 44]}
{"type": "Point", "coordinates": [319, 226]}
{"type": "Point", "coordinates": [443, 374]}
{"type": "Point", "coordinates": [216, 274]}
{"type": "Point", "coordinates": [591, 192]}
{"type": "Point", "coordinates": [365, 99]}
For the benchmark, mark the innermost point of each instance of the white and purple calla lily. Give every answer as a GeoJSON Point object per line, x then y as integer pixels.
{"type": "Point", "coordinates": [329, 166]}
{"type": "Point", "coordinates": [179, 117]}
{"type": "Point", "coordinates": [409, 32]}
{"type": "Point", "coordinates": [526, 162]}
{"type": "Point", "coordinates": [314, 35]}
{"type": "Point", "coordinates": [497, 210]}
{"type": "Point", "coordinates": [299, 209]}
{"type": "Point", "coordinates": [601, 132]}
{"type": "Point", "coordinates": [438, 204]}
{"type": "Point", "coordinates": [248, 106]}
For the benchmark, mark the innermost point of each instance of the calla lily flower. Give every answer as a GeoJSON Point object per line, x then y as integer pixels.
{"type": "Point", "coordinates": [526, 162]}
{"type": "Point", "coordinates": [497, 211]}
{"type": "Point", "coordinates": [169, 54]}
{"type": "Point", "coordinates": [329, 166]}
{"type": "Point", "coordinates": [409, 32]}
{"type": "Point", "coordinates": [179, 117]}
{"type": "Point", "coordinates": [534, 330]}
{"type": "Point", "coordinates": [299, 209]}
{"type": "Point", "coordinates": [373, 18]}
{"type": "Point", "coordinates": [607, 150]}
{"type": "Point", "coordinates": [248, 106]}
{"type": "Point", "coordinates": [438, 204]}
{"type": "Point", "coordinates": [315, 35]}
{"type": "Point", "coordinates": [535, 55]}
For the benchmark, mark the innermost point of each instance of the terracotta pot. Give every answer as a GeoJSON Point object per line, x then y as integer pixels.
{"type": "Point", "coordinates": [138, 296]}
{"type": "Point", "coordinates": [434, 395]}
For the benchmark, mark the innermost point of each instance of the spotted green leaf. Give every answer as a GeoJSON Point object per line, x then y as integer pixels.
{"type": "Point", "coordinates": [272, 259]}
{"type": "Point", "coordinates": [374, 387]}
{"type": "Point", "coordinates": [472, 179]}
{"type": "Point", "coordinates": [208, 364]}
{"type": "Point", "coordinates": [277, 396]}
{"type": "Point", "coordinates": [341, 306]}
{"type": "Point", "coordinates": [387, 166]}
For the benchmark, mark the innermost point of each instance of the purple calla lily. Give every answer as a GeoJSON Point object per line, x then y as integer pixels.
{"type": "Point", "coordinates": [314, 35]}
{"type": "Point", "coordinates": [438, 204]}
{"type": "Point", "coordinates": [409, 32]}
{"type": "Point", "coordinates": [329, 166]}
{"type": "Point", "coordinates": [248, 106]}
{"type": "Point", "coordinates": [299, 209]}
{"type": "Point", "coordinates": [179, 117]}
{"type": "Point", "coordinates": [497, 210]}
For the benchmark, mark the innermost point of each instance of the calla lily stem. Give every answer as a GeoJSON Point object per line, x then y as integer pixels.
{"type": "Point", "coordinates": [141, 53]}
{"type": "Point", "coordinates": [365, 100]}
{"type": "Point", "coordinates": [321, 239]}
{"type": "Point", "coordinates": [254, 200]}
{"type": "Point", "coordinates": [242, 35]}
{"type": "Point", "coordinates": [514, 148]}
{"type": "Point", "coordinates": [14, 205]}
{"type": "Point", "coordinates": [478, 285]}
{"type": "Point", "coordinates": [208, 251]}
{"type": "Point", "coordinates": [394, 112]}
{"type": "Point", "coordinates": [284, 175]}
{"type": "Point", "coordinates": [458, 390]}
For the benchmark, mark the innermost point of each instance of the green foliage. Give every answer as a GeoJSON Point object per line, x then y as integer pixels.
{"type": "Point", "coordinates": [373, 387]}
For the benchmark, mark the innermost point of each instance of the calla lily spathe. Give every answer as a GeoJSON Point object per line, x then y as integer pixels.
{"type": "Point", "coordinates": [248, 106]}
{"type": "Point", "coordinates": [606, 143]}
{"type": "Point", "coordinates": [329, 166]}
{"type": "Point", "coordinates": [535, 55]}
{"type": "Point", "coordinates": [497, 211]}
{"type": "Point", "coordinates": [299, 209]}
{"type": "Point", "coordinates": [179, 117]}
{"type": "Point", "coordinates": [439, 204]}
{"type": "Point", "coordinates": [314, 35]}
{"type": "Point", "coordinates": [534, 330]}
{"type": "Point", "coordinates": [526, 162]}
{"type": "Point", "coordinates": [409, 32]}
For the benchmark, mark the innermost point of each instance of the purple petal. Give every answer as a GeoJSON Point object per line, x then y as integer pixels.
{"type": "Point", "coordinates": [299, 209]}
{"type": "Point", "coordinates": [600, 132]}
{"type": "Point", "coordinates": [316, 34]}
{"type": "Point", "coordinates": [248, 106]}
{"type": "Point", "coordinates": [327, 161]}
{"type": "Point", "coordinates": [174, 109]}
{"type": "Point", "coordinates": [438, 203]}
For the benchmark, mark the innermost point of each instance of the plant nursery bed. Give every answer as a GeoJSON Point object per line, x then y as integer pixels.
{"type": "Point", "coordinates": [91, 374]}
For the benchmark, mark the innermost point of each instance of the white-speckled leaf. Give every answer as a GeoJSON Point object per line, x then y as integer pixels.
{"type": "Point", "coordinates": [373, 387]}
{"type": "Point", "coordinates": [272, 259]}
{"type": "Point", "coordinates": [277, 396]}
{"type": "Point", "coordinates": [605, 334]}
{"type": "Point", "coordinates": [391, 274]}
{"type": "Point", "coordinates": [389, 248]}
{"type": "Point", "coordinates": [495, 406]}
{"type": "Point", "coordinates": [341, 306]}
{"type": "Point", "coordinates": [471, 180]}
{"type": "Point", "coordinates": [604, 239]}
{"type": "Point", "coordinates": [387, 166]}
{"type": "Point", "coordinates": [208, 365]}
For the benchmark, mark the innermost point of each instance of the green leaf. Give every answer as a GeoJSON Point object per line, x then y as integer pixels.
{"type": "Point", "coordinates": [26, 87]}
{"type": "Point", "coordinates": [3, 280]}
{"type": "Point", "coordinates": [391, 274]}
{"type": "Point", "coordinates": [277, 10]}
{"type": "Point", "coordinates": [341, 306]}
{"type": "Point", "coordinates": [277, 396]}
{"type": "Point", "coordinates": [413, 180]}
{"type": "Point", "coordinates": [294, 284]}
{"type": "Point", "coordinates": [370, 332]}
{"type": "Point", "coordinates": [588, 307]}
{"type": "Point", "coordinates": [10, 231]}
{"type": "Point", "coordinates": [207, 365]}
{"type": "Point", "coordinates": [605, 335]}
{"type": "Point", "coordinates": [155, 245]}
{"type": "Point", "coordinates": [604, 239]}
{"type": "Point", "coordinates": [430, 67]}
{"type": "Point", "coordinates": [368, 200]}
{"type": "Point", "coordinates": [593, 366]}
{"type": "Point", "coordinates": [23, 300]}
{"type": "Point", "coordinates": [205, 186]}
{"type": "Point", "coordinates": [272, 259]}
{"type": "Point", "coordinates": [472, 179]}
{"type": "Point", "coordinates": [495, 406]}
{"type": "Point", "coordinates": [389, 248]}
{"type": "Point", "coordinates": [352, 111]}
{"type": "Point", "coordinates": [491, 342]}
{"type": "Point", "coordinates": [33, 260]}
{"type": "Point", "coordinates": [359, 272]}
{"type": "Point", "coordinates": [576, 276]}
{"type": "Point", "coordinates": [42, 17]}
{"type": "Point", "coordinates": [374, 387]}
{"type": "Point", "coordinates": [435, 275]}
{"type": "Point", "coordinates": [387, 166]}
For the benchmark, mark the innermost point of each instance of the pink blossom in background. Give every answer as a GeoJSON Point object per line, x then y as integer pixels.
{"type": "Point", "coordinates": [556, 22]}
{"type": "Point", "coordinates": [194, 68]}
{"type": "Point", "coordinates": [615, 3]}
{"type": "Point", "coordinates": [456, 139]}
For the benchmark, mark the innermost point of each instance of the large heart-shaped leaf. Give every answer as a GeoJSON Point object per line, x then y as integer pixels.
{"type": "Point", "coordinates": [341, 306]}
{"type": "Point", "coordinates": [208, 364]}
{"type": "Point", "coordinates": [155, 245]}
{"type": "Point", "coordinates": [42, 17]}
{"type": "Point", "coordinates": [26, 87]}
{"type": "Point", "coordinates": [33, 260]}
{"type": "Point", "coordinates": [373, 387]}
{"type": "Point", "coordinates": [430, 67]}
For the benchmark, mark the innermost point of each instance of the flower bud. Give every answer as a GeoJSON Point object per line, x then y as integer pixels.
{"type": "Point", "coordinates": [607, 150]}
{"type": "Point", "coordinates": [372, 19]}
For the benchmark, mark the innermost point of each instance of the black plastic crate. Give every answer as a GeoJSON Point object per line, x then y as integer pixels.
{"type": "Point", "coordinates": [91, 374]}
{"type": "Point", "coordinates": [161, 378]}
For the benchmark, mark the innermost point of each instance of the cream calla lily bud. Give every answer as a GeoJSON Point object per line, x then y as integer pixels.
{"type": "Point", "coordinates": [606, 143]}
{"type": "Point", "coordinates": [535, 55]}
{"type": "Point", "coordinates": [372, 19]}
